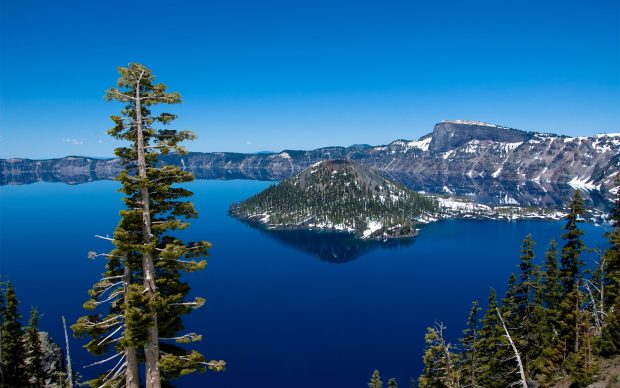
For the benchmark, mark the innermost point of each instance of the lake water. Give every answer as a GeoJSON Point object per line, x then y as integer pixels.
{"type": "Point", "coordinates": [284, 310]}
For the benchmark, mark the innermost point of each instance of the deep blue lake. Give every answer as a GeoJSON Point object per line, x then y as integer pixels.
{"type": "Point", "coordinates": [284, 310]}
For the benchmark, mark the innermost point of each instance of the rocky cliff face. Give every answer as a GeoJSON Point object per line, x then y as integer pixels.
{"type": "Point", "coordinates": [458, 156]}
{"type": "Point", "coordinates": [449, 135]}
{"type": "Point", "coordinates": [52, 361]}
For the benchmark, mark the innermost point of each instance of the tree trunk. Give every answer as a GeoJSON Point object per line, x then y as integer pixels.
{"type": "Point", "coordinates": [151, 349]}
{"type": "Point", "coordinates": [577, 319]}
{"type": "Point", "coordinates": [132, 379]}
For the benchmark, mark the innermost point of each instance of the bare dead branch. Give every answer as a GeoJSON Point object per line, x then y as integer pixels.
{"type": "Point", "coordinates": [523, 381]}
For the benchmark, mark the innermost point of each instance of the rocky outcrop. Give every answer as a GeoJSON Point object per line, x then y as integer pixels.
{"type": "Point", "coordinates": [449, 135]}
{"type": "Point", "coordinates": [52, 361]}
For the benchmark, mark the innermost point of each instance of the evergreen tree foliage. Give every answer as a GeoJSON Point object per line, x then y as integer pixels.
{"type": "Point", "coordinates": [573, 245]}
{"type": "Point", "coordinates": [551, 286]}
{"type": "Point", "coordinates": [559, 317]}
{"type": "Point", "coordinates": [490, 338]}
{"type": "Point", "coordinates": [440, 369]}
{"type": "Point", "coordinates": [523, 308]}
{"type": "Point", "coordinates": [610, 341]}
{"type": "Point", "coordinates": [610, 338]}
{"type": "Point", "coordinates": [142, 284]}
{"type": "Point", "coordinates": [571, 274]}
{"type": "Point", "coordinates": [13, 368]}
{"type": "Point", "coordinates": [34, 353]}
{"type": "Point", "coordinates": [469, 360]}
{"type": "Point", "coordinates": [509, 307]}
{"type": "Point", "coordinates": [375, 380]}
{"type": "Point", "coordinates": [392, 383]}
{"type": "Point", "coordinates": [543, 353]}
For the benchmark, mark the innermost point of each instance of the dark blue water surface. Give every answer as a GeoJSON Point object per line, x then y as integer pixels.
{"type": "Point", "coordinates": [284, 310]}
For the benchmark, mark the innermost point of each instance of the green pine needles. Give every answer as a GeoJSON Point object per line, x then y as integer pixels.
{"type": "Point", "coordinates": [560, 317]}
{"type": "Point", "coordinates": [140, 299]}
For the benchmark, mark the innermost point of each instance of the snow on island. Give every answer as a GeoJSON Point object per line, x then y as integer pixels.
{"type": "Point", "coordinates": [344, 196]}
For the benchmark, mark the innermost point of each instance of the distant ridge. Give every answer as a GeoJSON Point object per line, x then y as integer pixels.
{"type": "Point", "coordinates": [460, 155]}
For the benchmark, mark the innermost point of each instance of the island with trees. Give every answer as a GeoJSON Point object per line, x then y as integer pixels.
{"type": "Point", "coordinates": [342, 195]}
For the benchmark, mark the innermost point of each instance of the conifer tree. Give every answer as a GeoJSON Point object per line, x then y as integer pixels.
{"type": "Point", "coordinates": [571, 274]}
{"type": "Point", "coordinates": [488, 344]}
{"type": "Point", "coordinates": [144, 270]}
{"type": "Point", "coordinates": [510, 308]}
{"type": "Point", "coordinates": [392, 383]}
{"type": "Point", "coordinates": [551, 287]}
{"type": "Point", "coordinates": [439, 361]}
{"type": "Point", "coordinates": [573, 245]}
{"type": "Point", "coordinates": [522, 330]}
{"type": "Point", "coordinates": [12, 344]}
{"type": "Point", "coordinates": [375, 380]}
{"type": "Point", "coordinates": [610, 339]}
{"type": "Point", "coordinates": [469, 365]}
{"type": "Point", "coordinates": [494, 353]}
{"type": "Point", "coordinates": [543, 350]}
{"type": "Point", "coordinates": [34, 368]}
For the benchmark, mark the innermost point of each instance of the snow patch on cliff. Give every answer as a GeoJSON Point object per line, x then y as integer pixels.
{"type": "Point", "coordinates": [583, 184]}
{"type": "Point", "coordinates": [420, 144]}
{"type": "Point", "coordinates": [372, 227]}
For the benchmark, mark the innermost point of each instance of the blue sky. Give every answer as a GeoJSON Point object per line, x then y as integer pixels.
{"type": "Point", "coordinates": [272, 75]}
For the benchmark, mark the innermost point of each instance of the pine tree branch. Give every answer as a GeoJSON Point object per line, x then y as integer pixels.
{"type": "Point", "coordinates": [109, 288]}
{"type": "Point", "coordinates": [103, 322]}
{"type": "Point", "coordinates": [106, 360]}
{"type": "Point", "coordinates": [185, 339]}
{"type": "Point", "coordinates": [110, 335]}
{"type": "Point", "coordinates": [111, 277]}
{"type": "Point", "coordinates": [106, 378]}
{"type": "Point", "coordinates": [109, 298]}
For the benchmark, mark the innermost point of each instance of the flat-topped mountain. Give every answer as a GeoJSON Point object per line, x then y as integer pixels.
{"type": "Point", "coordinates": [339, 195]}
{"type": "Point", "coordinates": [452, 134]}
{"type": "Point", "coordinates": [465, 157]}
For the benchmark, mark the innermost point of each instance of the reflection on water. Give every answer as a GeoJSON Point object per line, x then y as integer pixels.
{"type": "Point", "coordinates": [489, 191]}
{"type": "Point", "coordinates": [330, 246]}
{"type": "Point", "coordinates": [492, 191]}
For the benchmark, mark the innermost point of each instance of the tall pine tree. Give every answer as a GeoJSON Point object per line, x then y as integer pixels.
{"type": "Point", "coordinates": [610, 341]}
{"type": "Point", "coordinates": [522, 330]}
{"type": "Point", "coordinates": [13, 371]}
{"type": "Point", "coordinates": [489, 344]}
{"type": "Point", "coordinates": [551, 286]}
{"type": "Point", "coordinates": [439, 361]}
{"type": "Point", "coordinates": [570, 275]}
{"type": "Point", "coordinates": [146, 266]}
{"type": "Point", "coordinates": [543, 352]}
{"type": "Point", "coordinates": [469, 360]}
{"type": "Point", "coordinates": [34, 353]}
